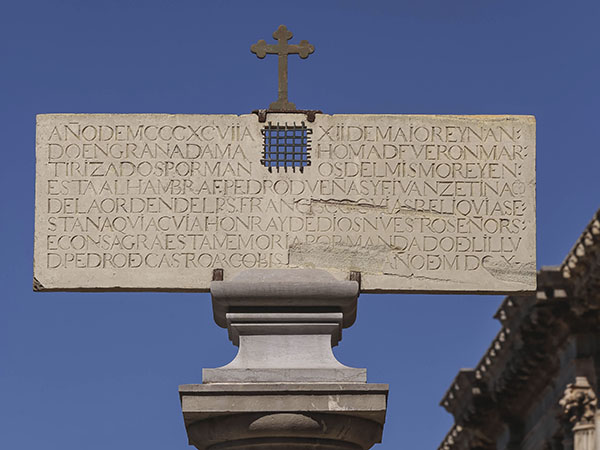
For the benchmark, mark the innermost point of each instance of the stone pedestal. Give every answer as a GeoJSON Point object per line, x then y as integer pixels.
{"type": "Point", "coordinates": [284, 389]}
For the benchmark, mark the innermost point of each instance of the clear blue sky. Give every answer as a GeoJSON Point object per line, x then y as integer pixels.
{"type": "Point", "coordinates": [100, 371]}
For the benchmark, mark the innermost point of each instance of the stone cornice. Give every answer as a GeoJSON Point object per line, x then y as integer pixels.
{"type": "Point", "coordinates": [522, 358]}
{"type": "Point", "coordinates": [582, 264]}
{"type": "Point", "coordinates": [452, 438]}
{"type": "Point", "coordinates": [527, 322]}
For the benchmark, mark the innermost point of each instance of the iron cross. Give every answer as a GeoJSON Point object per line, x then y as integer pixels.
{"type": "Point", "coordinates": [282, 49]}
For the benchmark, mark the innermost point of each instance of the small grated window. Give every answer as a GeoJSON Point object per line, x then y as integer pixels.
{"type": "Point", "coordinates": [286, 146]}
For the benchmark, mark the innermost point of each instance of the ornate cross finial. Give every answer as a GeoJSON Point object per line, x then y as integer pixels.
{"type": "Point", "coordinates": [283, 49]}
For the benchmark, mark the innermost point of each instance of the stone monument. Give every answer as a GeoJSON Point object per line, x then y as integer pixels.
{"type": "Point", "coordinates": [285, 216]}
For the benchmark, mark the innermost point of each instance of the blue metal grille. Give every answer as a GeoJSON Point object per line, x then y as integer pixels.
{"type": "Point", "coordinates": [286, 146]}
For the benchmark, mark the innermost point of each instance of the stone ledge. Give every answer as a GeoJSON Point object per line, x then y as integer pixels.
{"type": "Point", "coordinates": [298, 415]}
{"type": "Point", "coordinates": [312, 375]}
{"type": "Point", "coordinates": [200, 389]}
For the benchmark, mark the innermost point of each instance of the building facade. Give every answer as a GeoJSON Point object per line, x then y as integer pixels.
{"type": "Point", "coordinates": [537, 386]}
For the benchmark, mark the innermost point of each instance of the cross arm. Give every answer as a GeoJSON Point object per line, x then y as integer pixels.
{"type": "Point", "coordinates": [261, 48]}
{"type": "Point", "coordinates": [303, 49]}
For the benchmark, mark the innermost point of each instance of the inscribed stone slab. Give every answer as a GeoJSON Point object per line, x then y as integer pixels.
{"type": "Point", "coordinates": [413, 203]}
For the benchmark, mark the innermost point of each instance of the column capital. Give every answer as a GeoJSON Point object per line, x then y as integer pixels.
{"type": "Point", "coordinates": [579, 402]}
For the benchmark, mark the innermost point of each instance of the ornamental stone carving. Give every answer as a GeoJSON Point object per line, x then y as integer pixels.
{"type": "Point", "coordinates": [579, 402]}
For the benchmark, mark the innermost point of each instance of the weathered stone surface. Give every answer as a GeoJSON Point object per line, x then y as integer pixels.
{"type": "Point", "coordinates": [413, 203]}
{"type": "Point", "coordinates": [298, 289]}
{"type": "Point", "coordinates": [273, 416]}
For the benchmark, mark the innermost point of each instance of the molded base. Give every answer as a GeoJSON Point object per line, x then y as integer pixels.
{"type": "Point", "coordinates": [298, 416]}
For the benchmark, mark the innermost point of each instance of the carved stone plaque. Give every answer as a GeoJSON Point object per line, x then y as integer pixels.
{"type": "Point", "coordinates": [413, 203]}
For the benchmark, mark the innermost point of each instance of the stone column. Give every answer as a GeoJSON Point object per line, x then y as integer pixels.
{"type": "Point", "coordinates": [285, 388]}
{"type": "Point", "coordinates": [579, 405]}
